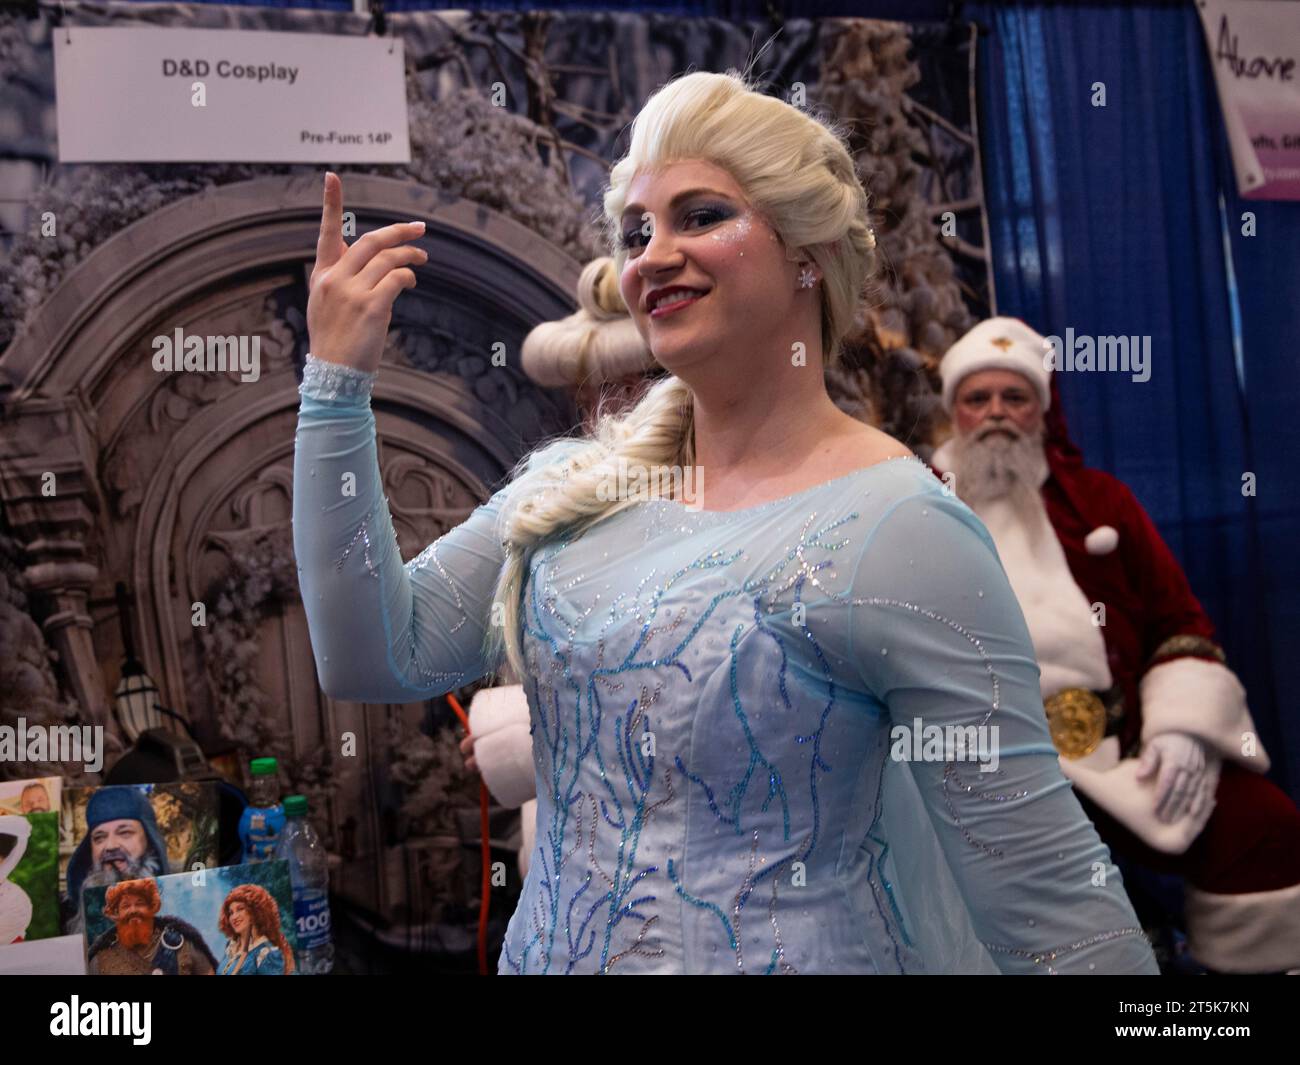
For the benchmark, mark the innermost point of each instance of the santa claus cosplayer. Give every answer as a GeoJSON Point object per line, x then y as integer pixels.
{"type": "Point", "coordinates": [1151, 724]}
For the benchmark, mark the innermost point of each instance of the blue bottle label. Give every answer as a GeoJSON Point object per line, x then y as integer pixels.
{"type": "Point", "coordinates": [260, 829]}
{"type": "Point", "coordinates": [311, 913]}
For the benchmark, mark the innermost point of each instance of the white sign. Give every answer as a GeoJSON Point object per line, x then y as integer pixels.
{"type": "Point", "coordinates": [1254, 49]}
{"type": "Point", "coordinates": [145, 95]}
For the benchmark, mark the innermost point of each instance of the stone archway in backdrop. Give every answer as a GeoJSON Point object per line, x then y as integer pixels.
{"type": "Point", "coordinates": [161, 480]}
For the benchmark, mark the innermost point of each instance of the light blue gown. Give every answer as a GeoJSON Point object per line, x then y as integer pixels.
{"type": "Point", "coordinates": [721, 705]}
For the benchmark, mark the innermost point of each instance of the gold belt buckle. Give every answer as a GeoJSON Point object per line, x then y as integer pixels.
{"type": "Point", "coordinates": [1077, 720]}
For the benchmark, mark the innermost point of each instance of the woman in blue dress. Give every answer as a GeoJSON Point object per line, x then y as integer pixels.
{"type": "Point", "coordinates": [255, 943]}
{"type": "Point", "coordinates": [785, 718]}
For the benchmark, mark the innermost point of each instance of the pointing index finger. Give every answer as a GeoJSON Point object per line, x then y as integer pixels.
{"type": "Point", "coordinates": [328, 245]}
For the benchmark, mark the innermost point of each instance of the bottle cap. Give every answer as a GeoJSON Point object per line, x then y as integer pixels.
{"type": "Point", "coordinates": [295, 805]}
{"type": "Point", "coordinates": [263, 766]}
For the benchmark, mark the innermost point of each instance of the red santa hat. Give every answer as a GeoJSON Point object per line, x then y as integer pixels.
{"type": "Point", "coordinates": [997, 344]}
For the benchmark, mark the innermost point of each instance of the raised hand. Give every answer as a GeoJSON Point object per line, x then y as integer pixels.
{"type": "Point", "coordinates": [352, 289]}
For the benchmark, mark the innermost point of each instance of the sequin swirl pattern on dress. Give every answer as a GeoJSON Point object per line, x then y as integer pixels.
{"type": "Point", "coordinates": [601, 742]}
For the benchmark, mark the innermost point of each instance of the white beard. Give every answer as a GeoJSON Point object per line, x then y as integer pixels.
{"type": "Point", "coordinates": [994, 467]}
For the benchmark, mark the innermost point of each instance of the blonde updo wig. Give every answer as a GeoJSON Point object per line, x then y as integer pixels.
{"type": "Point", "coordinates": [796, 172]}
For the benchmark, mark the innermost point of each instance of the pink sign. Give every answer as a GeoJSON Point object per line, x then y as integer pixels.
{"type": "Point", "coordinates": [1254, 48]}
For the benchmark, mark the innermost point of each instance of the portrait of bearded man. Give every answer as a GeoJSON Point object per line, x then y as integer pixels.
{"type": "Point", "coordinates": [122, 842]}
{"type": "Point", "coordinates": [143, 943]}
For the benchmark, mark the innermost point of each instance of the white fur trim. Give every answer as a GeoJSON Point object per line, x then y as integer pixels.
{"type": "Point", "coordinates": [1132, 802]}
{"type": "Point", "coordinates": [1102, 540]}
{"type": "Point", "coordinates": [997, 344]}
{"type": "Point", "coordinates": [1205, 699]}
{"type": "Point", "coordinates": [1070, 649]}
{"type": "Point", "coordinates": [503, 747]}
{"type": "Point", "coordinates": [1258, 932]}
{"type": "Point", "coordinates": [494, 708]}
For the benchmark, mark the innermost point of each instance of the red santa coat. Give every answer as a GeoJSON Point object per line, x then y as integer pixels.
{"type": "Point", "coordinates": [1159, 639]}
{"type": "Point", "coordinates": [1241, 856]}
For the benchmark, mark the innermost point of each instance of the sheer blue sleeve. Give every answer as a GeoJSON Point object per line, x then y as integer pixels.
{"type": "Point", "coordinates": [940, 640]}
{"type": "Point", "coordinates": [381, 630]}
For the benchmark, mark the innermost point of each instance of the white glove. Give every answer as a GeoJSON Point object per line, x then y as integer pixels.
{"type": "Point", "coordinates": [1187, 773]}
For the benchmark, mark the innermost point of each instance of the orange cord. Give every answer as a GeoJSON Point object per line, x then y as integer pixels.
{"type": "Point", "coordinates": [486, 887]}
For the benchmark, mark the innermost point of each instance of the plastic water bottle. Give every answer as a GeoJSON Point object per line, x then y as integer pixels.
{"type": "Point", "coordinates": [310, 876]}
{"type": "Point", "coordinates": [263, 818]}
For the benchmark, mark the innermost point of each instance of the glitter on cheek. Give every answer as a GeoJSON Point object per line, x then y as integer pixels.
{"type": "Point", "coordinates": [737, 233]}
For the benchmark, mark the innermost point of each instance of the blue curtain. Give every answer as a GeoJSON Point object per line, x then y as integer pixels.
{"type": "Point", "coordinates": [1118, 220]}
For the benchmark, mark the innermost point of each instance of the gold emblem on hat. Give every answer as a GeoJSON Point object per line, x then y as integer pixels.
{"type": "Point", "coordinates": [1002, 342]}
{"type": "Point", "coordinates": [1077, 720]}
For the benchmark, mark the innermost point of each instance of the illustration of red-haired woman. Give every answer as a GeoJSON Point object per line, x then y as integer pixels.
{"type": "Point", "coordinates": [255, 943]}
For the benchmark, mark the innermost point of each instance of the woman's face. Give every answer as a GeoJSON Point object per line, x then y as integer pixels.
{"type": "Point", "coordinates": [239, 919]}
{"type": "Point", "coordinates": [689, 225]}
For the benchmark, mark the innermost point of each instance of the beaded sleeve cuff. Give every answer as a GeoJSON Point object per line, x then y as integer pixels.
{"type": "Point", "coordinates": [332, 380]}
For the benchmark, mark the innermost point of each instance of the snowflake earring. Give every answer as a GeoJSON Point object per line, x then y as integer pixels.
{"type": "Point", "coordinates": [807, 277]}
